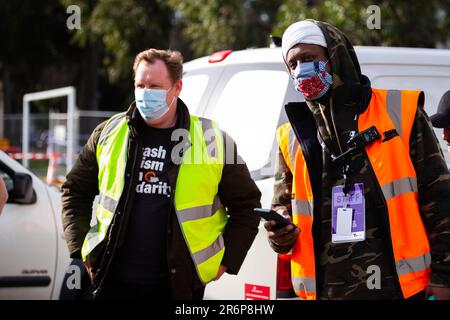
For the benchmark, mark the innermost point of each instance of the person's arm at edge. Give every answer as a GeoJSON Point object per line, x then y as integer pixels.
{"type": "Point", "coordinates": [433, 180]}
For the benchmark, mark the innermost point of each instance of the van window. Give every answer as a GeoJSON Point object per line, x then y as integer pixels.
{"type": "Point", "coordinates": [193, 89]}
{"type": "Point", "coordinates": [248, 110]}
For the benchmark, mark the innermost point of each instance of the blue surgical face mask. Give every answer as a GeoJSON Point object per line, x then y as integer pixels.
{"type": "Point", "coordinates": [151, 103]}
{"type": "Point", "coordinates": [312, 79]}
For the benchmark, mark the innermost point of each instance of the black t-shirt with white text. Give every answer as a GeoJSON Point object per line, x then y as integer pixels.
{"type": "Point", "coordinates": [142, 259]}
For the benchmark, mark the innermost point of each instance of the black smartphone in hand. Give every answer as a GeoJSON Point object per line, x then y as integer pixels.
{"type": "Point", "coordinates": [268, 215]}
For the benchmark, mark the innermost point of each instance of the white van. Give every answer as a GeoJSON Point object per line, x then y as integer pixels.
{"type": "Point", "coordinates": [245, 91]}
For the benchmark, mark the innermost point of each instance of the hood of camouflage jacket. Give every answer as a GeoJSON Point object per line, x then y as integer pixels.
{"type": "Point", "coordinates": [349, 95]}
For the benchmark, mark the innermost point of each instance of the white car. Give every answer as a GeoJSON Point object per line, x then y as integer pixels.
{"type": "Point", "coordinates": [34, 255]}
{"type": "Point", "coordinates": [245, 91]}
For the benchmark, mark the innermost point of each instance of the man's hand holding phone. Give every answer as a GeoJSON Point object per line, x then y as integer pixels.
{"type": "Point", "coordinates": [284, 236]}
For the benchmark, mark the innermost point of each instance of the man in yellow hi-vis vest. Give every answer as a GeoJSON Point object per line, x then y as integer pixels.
{"type": "Point", "coordinates": [175, 201]}
{"type": "Point", "coordinates": [363, 178]}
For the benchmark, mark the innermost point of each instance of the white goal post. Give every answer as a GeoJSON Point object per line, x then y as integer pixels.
{"type": "Point", "coordinates": [71, 109]}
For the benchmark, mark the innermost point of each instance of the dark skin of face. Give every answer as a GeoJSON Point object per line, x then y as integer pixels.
{"type": "Point", "coordinates": [306, 53]}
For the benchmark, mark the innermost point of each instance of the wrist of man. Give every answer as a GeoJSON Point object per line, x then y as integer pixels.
{"type": "Point", "coordinates": [283, 249]}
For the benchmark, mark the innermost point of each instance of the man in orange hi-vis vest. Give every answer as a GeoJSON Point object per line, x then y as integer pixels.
{"type": "Point", "coordinates": [362, 177]}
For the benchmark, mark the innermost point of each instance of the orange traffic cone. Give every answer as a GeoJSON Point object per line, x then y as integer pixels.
{"type": "Point", "coordinates": [52, 177]}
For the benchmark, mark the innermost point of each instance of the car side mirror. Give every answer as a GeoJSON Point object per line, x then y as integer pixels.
{"type": "Point", "coordinates": [22, 191]}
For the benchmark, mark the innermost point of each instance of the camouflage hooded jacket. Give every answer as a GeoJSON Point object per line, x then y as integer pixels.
{"type": "Point", "coordinates": [341, 268]}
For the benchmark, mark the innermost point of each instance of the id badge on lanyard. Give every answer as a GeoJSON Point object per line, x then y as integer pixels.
{"type": "Point", "coordinates": [348, 214]}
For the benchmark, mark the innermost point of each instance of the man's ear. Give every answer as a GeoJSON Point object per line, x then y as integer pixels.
{"type": "Point", "coordinates": [178, 87]}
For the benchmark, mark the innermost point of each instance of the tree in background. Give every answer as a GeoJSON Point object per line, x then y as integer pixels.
{"type": "Point", "coordinates": [34, 50]}
{"type": "Point", "coordinates": [112, 32]}
{"type": "Point", "coordinates": [214, 25]}
{"type": "Point", "coordinates": [38, 51]}
{"type": "Point", "coordinates": [403, 23]}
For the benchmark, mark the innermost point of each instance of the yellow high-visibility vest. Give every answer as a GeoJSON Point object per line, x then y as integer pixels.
{"type": "Point", "coordinates": [201, 216]}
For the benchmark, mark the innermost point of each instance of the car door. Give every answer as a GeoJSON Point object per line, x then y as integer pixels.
{"type": "Point", "coordinates": [27, 238]}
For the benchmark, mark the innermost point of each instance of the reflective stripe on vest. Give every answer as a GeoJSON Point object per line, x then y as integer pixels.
{"type": "Point", "coordinates": [111, 160]}
{"type": "Point", "coordinates": [293, 146]}
{"type": "Point", "coordinates": [201, 216]}
{"type": "Point", "coordinates": [395, 173]}
{"type": "Point", "coordinates": [391, 162]}
{"type": "Point", "coordinates": [393, 103]}
{"type": "Point", "coordinates": [398, 187]}
{"type": "Point", "coordinates": [413, 265]}
{"type": "Point", "coordinates": [306, 287]}
{"type": "Point", "coordinates": [302, 207]}
{"type": "Point", "coordinates": [302, 258]}
{"type": "Point", "coordinates": [199, 212]}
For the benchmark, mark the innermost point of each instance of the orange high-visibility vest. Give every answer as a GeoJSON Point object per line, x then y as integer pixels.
{"type": "Point", "coordinates": [388, 110]}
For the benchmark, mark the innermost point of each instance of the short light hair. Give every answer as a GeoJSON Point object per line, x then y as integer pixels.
{"type": "Point", "coordinates": [172, 59]}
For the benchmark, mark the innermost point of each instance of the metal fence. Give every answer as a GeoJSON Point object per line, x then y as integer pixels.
{"type": "Point", "coordinates": [48, 140]}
